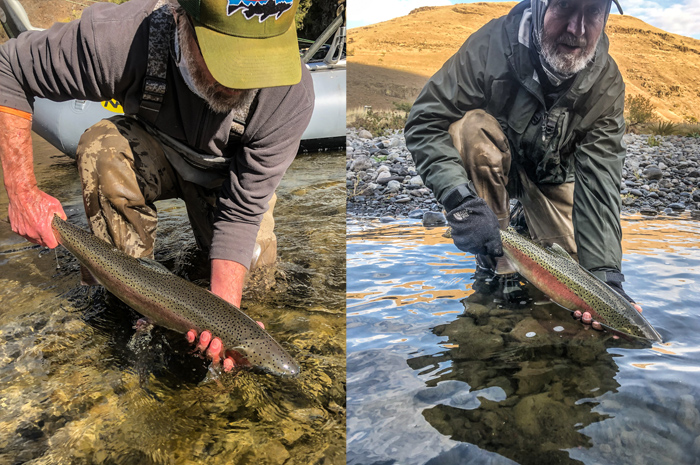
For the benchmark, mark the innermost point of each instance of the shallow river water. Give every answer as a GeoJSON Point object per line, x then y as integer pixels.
{"type": "Point", "coordinates": [441, 370]}
{"type": "Point", "coordinates": [76, 385]}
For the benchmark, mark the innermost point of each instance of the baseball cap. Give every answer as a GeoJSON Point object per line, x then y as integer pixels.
{"type": "Point", "coordinates": [247, 44]}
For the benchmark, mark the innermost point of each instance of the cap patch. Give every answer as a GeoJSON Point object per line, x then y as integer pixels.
{"type": "Point", "coordinates": [262, 8]}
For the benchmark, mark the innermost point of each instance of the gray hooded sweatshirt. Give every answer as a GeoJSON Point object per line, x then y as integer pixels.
{"type": "Point", "coordinates": [104, 55]}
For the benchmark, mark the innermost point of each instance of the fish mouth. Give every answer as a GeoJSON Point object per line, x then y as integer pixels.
{"type": "Point", "coordinates": [290, 371]}
{"type": "Point", "coordinates": [286, 369]}
{"type": "Point", "coordinates": [283, 371]}
{"type": "Point", "coordinates": [651, 334]}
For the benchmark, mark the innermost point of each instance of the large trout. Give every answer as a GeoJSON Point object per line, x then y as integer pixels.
{"type": "Point", "coordinates": [172, 302]}
{"type": "Point", "coordinates": [555, 273]}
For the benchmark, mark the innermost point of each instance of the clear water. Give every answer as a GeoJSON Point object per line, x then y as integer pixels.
{"type": "Point", "coordinates": [441, 370]}
{"type": "Point", "coordinates": [77, 386]}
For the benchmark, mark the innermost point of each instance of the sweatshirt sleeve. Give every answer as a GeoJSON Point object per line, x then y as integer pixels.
{"type": "Point", "coordinates": [599, 160]}
{"type": "Point", "coordinates": [275, 133]}
{"type": "Point", "coordinates": [84, 59]}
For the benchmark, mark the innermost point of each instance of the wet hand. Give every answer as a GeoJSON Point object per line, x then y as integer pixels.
{"type": "Point", "coordinates": [587, 319]}
{"type": "Point", "coordinates": [31, 212]}
{"type": "Point", "coordinates": [215, 350]}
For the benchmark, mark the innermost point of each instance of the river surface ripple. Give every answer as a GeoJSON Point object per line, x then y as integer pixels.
{"type": "Point", "coordinates": [78, 387]}
{"type": "Point", "coordinates": [441, 371]}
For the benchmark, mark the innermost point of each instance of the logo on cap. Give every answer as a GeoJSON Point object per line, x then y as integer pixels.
{"type": "Point", "coordinates": [262, 8]}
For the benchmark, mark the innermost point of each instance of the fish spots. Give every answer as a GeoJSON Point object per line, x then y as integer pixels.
{"type": "Point", "coordinates": [571, 286]}
{"type": "Point", "coordinates": [173, 302]}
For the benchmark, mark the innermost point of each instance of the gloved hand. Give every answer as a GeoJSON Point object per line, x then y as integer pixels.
{"type": "Point", "coordinates": [617, 287]}
{"type": "Point", "coordinates": [475, 228]}
{"type": "Point", "coordinates": [614, 279]}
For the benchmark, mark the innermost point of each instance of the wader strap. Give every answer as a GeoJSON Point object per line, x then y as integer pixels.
{"type": "Point", "coordinates": [161, 24]}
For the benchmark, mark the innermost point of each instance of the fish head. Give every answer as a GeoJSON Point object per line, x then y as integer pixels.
{"type": "Point", "coordinates": [635, 324]}
{"type": "Point", "coordinates": [265, 355]}
{"type": "Point", "coordinates": [290, 369]}
{"type": "Point", "coordinates": [286, 367]}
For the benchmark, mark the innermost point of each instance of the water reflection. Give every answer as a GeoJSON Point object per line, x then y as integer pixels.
{"type": "Point", "coordinates": [77, 385]}
{"type": "Point", "coordinates": [441, 359]}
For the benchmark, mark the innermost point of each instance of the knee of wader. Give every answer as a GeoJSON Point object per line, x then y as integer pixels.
{"type": "Point", "coordinates": [483, 140]}
{"type": "Point", "coordinates": [98, 138]}
{"type": "Point", "coordinates": [105, 162]}
{"type": "Point", "coordinates": [480, 118]}
{"type": "Point", "coordinates": [265, 253]}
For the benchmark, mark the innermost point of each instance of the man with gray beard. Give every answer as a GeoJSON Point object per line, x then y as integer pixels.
{"type": "Point", "coordinates": [530, 107]}
{"type": "Point", "coordinates": [215, 101]}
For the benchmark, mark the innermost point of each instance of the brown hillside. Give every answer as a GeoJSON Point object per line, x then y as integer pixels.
{"type": "Point", "coordinates": [390, 61]}
{"type": "Point", "coordinates": [43, 13]}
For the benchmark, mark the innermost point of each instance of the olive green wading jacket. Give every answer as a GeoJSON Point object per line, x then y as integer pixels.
{"type": "Point", "coordinates": [578, 139]}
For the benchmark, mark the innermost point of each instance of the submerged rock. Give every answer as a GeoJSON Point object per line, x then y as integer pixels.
{"type": "Point", "coordinates": [434, 219]}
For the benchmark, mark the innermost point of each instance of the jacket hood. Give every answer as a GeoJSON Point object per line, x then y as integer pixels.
{"type": "Point", "coordinates": [517, 30]}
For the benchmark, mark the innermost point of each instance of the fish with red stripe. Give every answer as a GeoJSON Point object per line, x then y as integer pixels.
{"type": "Point", "coordinates": [568, 284]}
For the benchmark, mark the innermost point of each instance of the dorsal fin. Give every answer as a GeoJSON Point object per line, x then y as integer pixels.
{"type": "Point", "coordinates": [556, 249]}
{"type": "Point", "coordinates": [154, 265]}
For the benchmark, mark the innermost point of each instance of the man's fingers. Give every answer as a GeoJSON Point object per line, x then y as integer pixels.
{"type": "Point", "coordinates": [31, 217]}
{"type": "Point", "coordinates": [213, 347]}
{"type": "Point", "coordinates": [49, 240]}
{"type": "Point", "coordinates": [638, 307]}
{"type": "Point", "coordinates": [215, 350]}
{"type": "Point", "coordinates": [204, 340]}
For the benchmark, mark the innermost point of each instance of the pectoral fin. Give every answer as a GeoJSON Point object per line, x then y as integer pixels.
{"type": "Point", "coordinates": [154, 265]}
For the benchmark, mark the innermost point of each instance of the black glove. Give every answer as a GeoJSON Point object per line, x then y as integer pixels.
{"type": "Point", "coordinates": [617, 287]}
{"type": "Point", "coordinates": [475, 227]}
{"type": "Point", "coordinates": [614, 279]}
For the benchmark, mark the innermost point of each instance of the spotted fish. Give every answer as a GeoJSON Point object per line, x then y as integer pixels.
{"type": "Point", "coordinates": [172, 302]}
{"type": "Point", "coordinates": [568, 284]}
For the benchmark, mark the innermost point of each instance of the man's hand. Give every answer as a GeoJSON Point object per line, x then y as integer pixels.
{"type": "Point", "coordinates": [616, 284]}
{"type": "Point", "coordinates": [227, 282]}
{"type": "Point", "coordinates": [475, 228]}
{"type": "Point", "coordinates": [617, 287]}
{"type": "Point", "coordinates": [30, 210]}
{"type": "Point", "coordinates": [31, 213]}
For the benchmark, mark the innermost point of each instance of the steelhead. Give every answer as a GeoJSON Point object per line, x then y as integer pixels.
{"type": "Point", "coordinates": [568, 284]}
{"type": "Point", "coordinates": [173, 302]}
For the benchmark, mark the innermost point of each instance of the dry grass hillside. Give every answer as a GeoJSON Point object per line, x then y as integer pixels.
{"type": "Point", "coordinates": [389, 62]}
{"type": "Point", "coordinates": [43, 13]}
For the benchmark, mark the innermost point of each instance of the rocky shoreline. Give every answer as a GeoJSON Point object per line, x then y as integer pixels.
{"type": "Point", "coordinates": [661, 176]}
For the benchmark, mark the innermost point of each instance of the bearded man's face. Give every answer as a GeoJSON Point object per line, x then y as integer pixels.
{"type": "Point", "coordinates": [570, 33]}
{"type": "Point", "coordinates": [220, 99]}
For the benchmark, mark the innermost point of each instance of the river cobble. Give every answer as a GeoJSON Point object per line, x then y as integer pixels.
{"type": "Point", "coordinates": [661, 175]}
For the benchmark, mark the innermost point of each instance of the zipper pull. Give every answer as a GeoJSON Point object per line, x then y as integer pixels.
{"type": "Point", "coordinates": [548, 127]}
